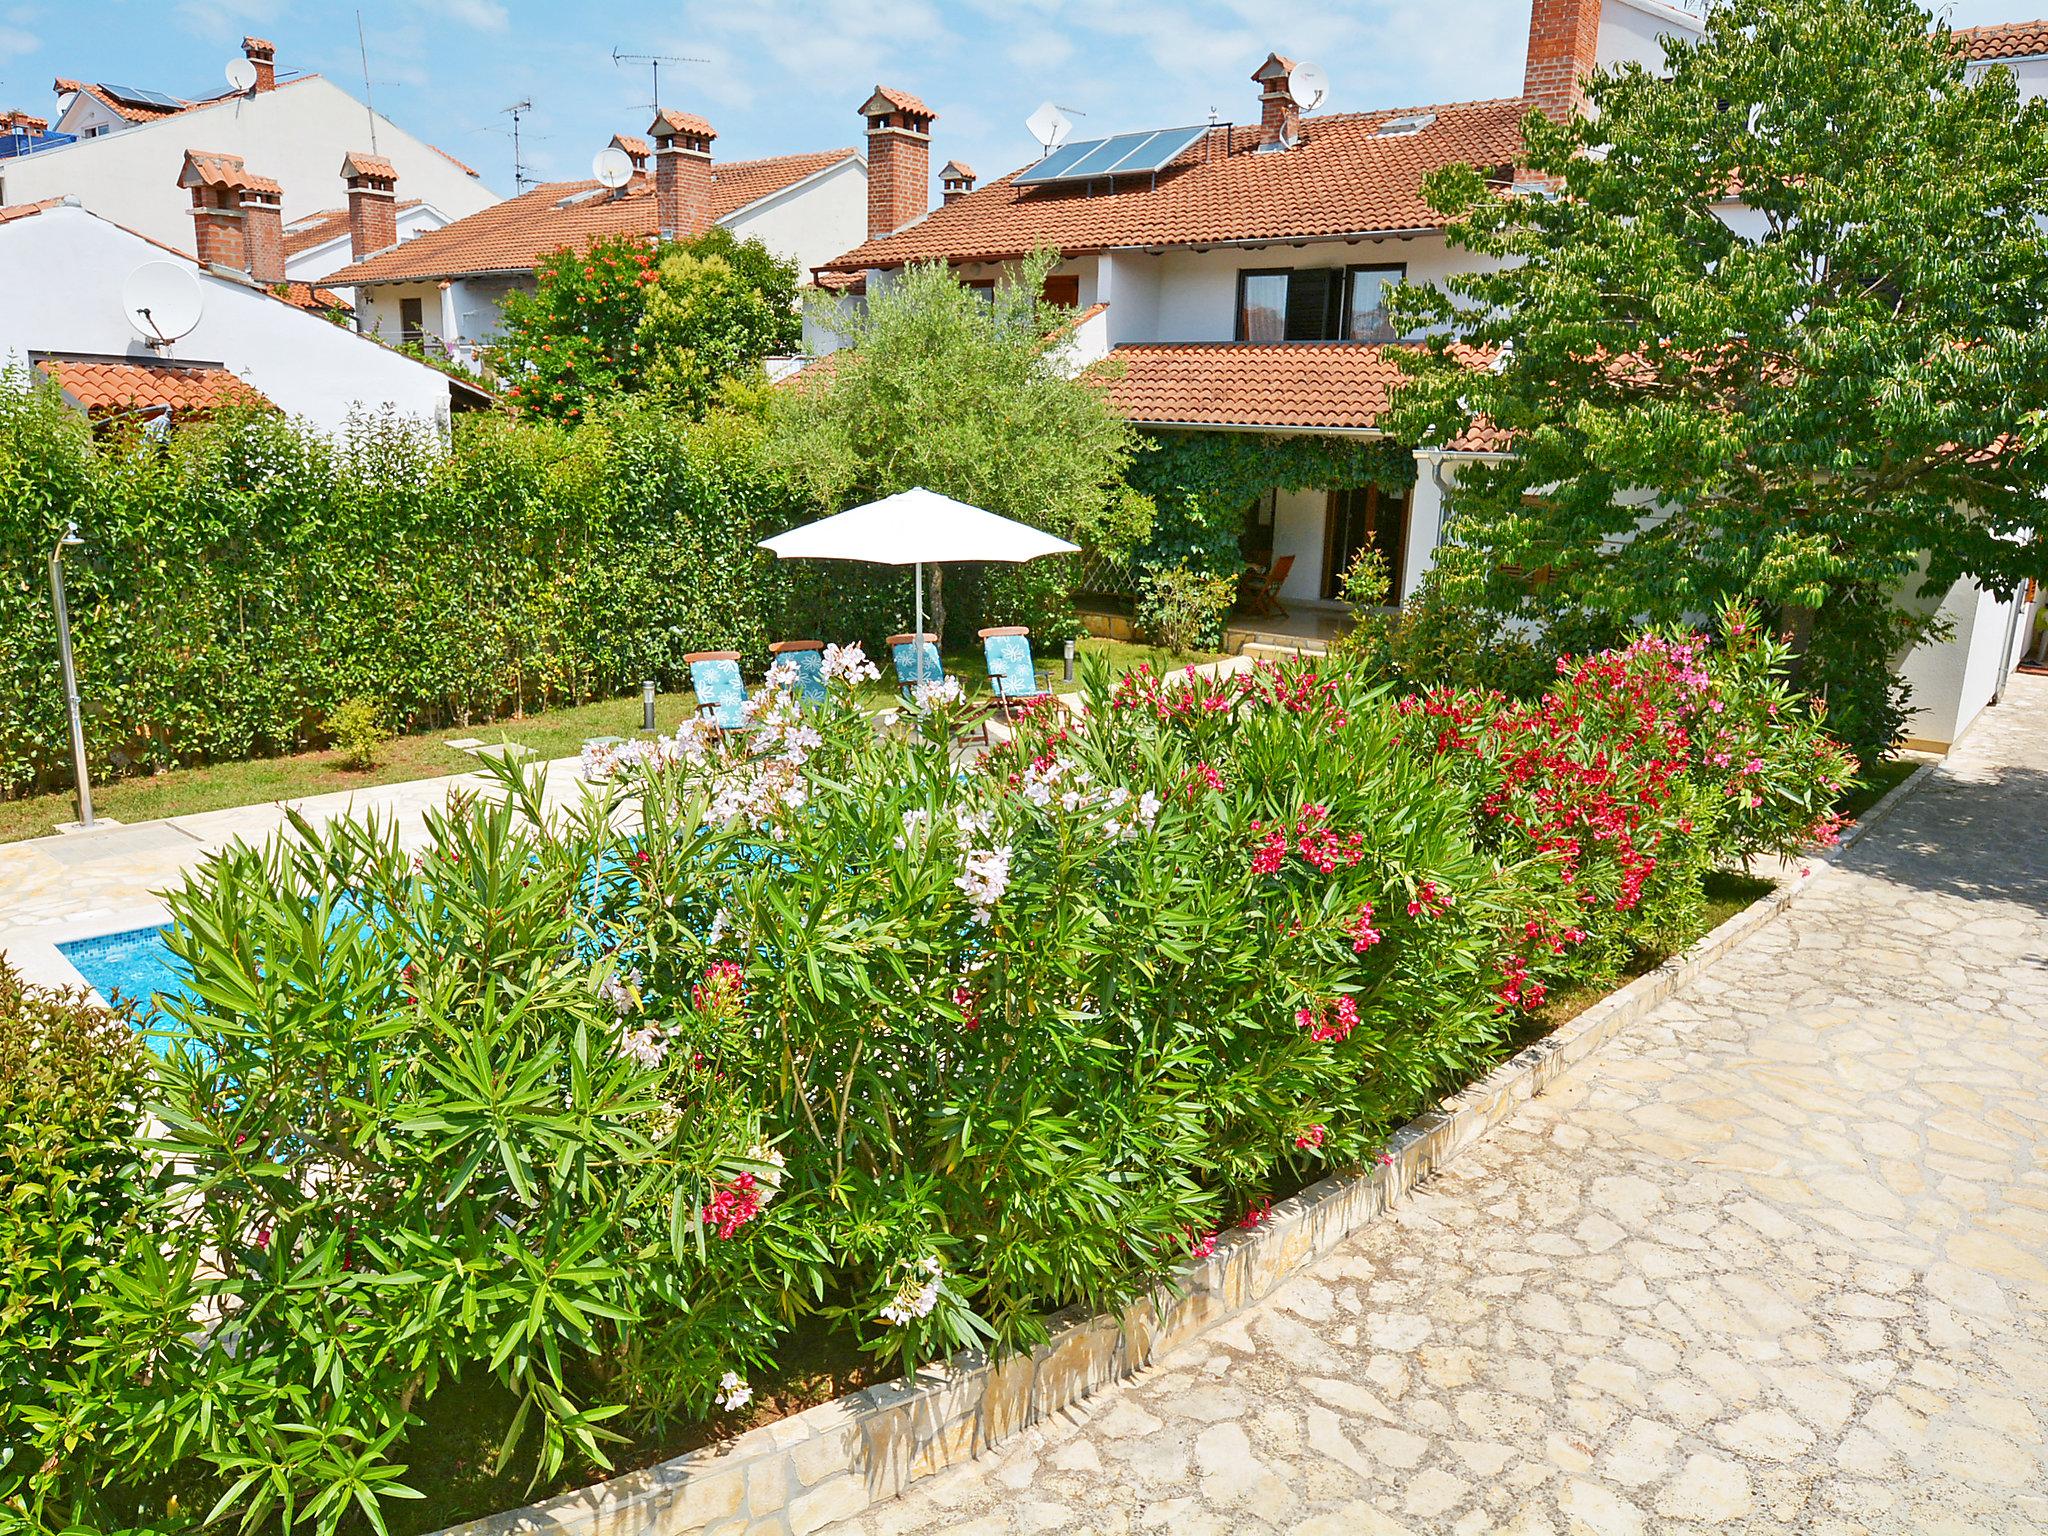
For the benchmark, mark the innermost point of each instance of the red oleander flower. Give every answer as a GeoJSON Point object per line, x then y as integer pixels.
{"type": "Point", "coordinates": [733, 1206]}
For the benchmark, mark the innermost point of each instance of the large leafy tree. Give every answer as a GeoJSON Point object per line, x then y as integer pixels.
{"type": "Point", "coordinates": [968, 393]}
{"type": "Point", "coordinates": [1771, 326]}
{"type": "Point", "coordinates": [623, 316]}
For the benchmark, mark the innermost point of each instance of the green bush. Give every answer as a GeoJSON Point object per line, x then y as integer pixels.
{"type": "Point", "coordinates": [1183, 609]}
{"type": "Point", "coordinates": [72, 1185]}
{"type": "Point", "coordinates": [356, 728]}
{"type": "Point", "coordinates": [596, 1107]}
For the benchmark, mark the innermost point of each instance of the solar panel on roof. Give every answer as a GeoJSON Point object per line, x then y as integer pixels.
{"type": "Point", "coordinates": [139, 98]}
{"type": "Point", "coordinates": [1124, 154]}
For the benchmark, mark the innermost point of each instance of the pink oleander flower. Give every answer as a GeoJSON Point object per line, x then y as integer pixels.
{"type": "Point", "coordinates": [733, 1206]}
{"type": "Point", "coordinates": [1201, 1244]}
{"type": "Point", "coordinates": [1257, 1212]}
{"type": "Point", "coordinates": [1361, 932]}
{"type": "Point", "coordinates": [723, 986]}
{"type": "Point", "coordinates": [1329, 1022]}
{"type": "Point", "coordinates": [1312, 1138]}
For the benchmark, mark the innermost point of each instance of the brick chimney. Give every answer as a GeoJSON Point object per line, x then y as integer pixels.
{"type": "Point", "coordinates": [899, 160]}
{"type": "Point", "coordinates": [682, 174]}
{"type": "Point", "coordinates": [372, 204]}
{"type": "Point", "coordinates": [635, 149]}
{"type": "Point", "coordinates": [237, 217]}
{"type": "Point", "coordinates": [956, 180]}
{"type": "Point", "coordinates": [1279, 115]}
{"type": "Point", "coordinates": [1564, 41]}
{"type": "Point", "coordinates": [264, 56]}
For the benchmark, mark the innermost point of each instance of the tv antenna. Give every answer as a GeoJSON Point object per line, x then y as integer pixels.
{"type": "Point", "coordinates": [520, 180]}
{"type": "Point", "coordinates": [369, 102]}
{"type": "Point", "coordinates": [654, 61]}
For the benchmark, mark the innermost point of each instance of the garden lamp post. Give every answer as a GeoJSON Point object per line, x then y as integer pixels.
{"type": "Point", "coordinates": [70, 672]}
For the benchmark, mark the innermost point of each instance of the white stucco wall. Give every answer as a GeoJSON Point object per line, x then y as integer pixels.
{"type": "Point", "coordinates": [1197, 290]}
{"type": "Point", "coordinates": [1954, 679]}
{"type": "Point", "coordinates": [2031, 74]}
{"type": "Point", "coordinates": [814, 220]}
{"type": "Point", "coordinates": [307, 366]}
{"type": "Point", "coordinates": [1632, 32]}
{"type": "Point", "coordinates": [296, 135]}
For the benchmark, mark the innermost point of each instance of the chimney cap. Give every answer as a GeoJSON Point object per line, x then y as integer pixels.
{"type": "Point", "coordinates": [669, 123]}
{"type": "Point", "coordinates": [210, 168]}
{"type": "Point", "coordinates": [258, 48]}
{"type": "Point", "coordinates": [632, 144]}
{"type": "Point", "coordinates": [1277, 67]}
{"type": "Point", "coordinates": [954, 170]}
{"type": "Point", "coordinates": [887, 102]}
{"type": "Point", "coordinates": [357, 165]}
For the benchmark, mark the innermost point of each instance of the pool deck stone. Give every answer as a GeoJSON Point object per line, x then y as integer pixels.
{"type": "Point", "coordinates": [1774, 1260]}
{"type": "Point", "coordinates": [109, 879]}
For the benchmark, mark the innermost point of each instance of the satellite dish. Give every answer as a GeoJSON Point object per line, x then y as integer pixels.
{"type": "Point", "coordinates": [613, 167]}
{"type": "Point", "coordinates": [1049, 126]}
{"type": "Point", "coordinates": [162, 300]}
{"type": "Point", "coordinates": [1311, 87]}
{"type": "Point", "coordinates": [241, 75]}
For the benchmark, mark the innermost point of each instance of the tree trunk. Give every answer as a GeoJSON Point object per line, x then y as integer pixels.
{"type": "Point", "coordinates": [935, 607]}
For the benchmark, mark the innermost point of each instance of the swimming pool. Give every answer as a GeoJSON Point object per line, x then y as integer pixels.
{"type": "Point", "coordinates": [132, 967]}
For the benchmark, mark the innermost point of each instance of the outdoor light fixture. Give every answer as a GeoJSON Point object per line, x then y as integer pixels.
{"type": "Point", "coordinates": [1070, 662]}
{"type": "Point", "coordinates": [70, 537]}
{"type": "Point", "coordinates": [647, 705]}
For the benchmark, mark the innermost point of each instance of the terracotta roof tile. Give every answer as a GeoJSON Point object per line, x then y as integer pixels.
{"type": "Point", "coordinates": [1311, 386]}
{"type": "Point", "coordinates": [262, 45]}
{"type": "Point", "coordinates": [311, 296]}
{"type": "Point", "coordinates": [682, 122]}
{"type": "Point", "coordinates": [103, 388]}
{"type": "Point", "coordinates": [209, 168]}
{"type": "Point", "coordinates": [2011, 40]}
{"type": "Point", "coordinates": [958, 169]}
{"type": "Point", "coordinates": [376, 167]}
{"type": "Point", "coordinates": [513, 235]}
{"type": "Point", "coordinates": [632, 144]}
{"type": "Point", "coordinates": [316, 229]}
{"type": "Point", "coordinates": [1344, 179]}
{"type": "Point", "coordinates": [467, 170]}
{"type": "Point", "coordinates": [902, 101]}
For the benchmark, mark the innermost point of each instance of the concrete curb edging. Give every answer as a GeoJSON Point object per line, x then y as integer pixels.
{"type": "Point", "coordinates": [836, 1460]}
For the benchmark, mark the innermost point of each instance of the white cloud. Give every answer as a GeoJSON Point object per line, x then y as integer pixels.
{"type": "Point", "coordinates": [15, 41]}
{"type": "Point", "coordinates": [484, 15]}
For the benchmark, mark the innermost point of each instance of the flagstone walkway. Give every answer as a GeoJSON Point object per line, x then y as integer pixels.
{"type": "Point", "coordinates": [1775, 1260]}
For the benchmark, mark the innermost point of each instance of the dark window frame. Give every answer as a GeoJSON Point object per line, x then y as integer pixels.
{"type": "Point", "coordinates": [1337, 299]}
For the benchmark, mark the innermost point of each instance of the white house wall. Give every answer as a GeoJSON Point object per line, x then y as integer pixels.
{"type": "Point", "coordinates": [1632, 32]}
{"type": "Point", "coordinates": [307, 366]}
{"type": "Point", "coordinates": [296, 135]}
{"type": "Point", "coordinates": [813, 221]}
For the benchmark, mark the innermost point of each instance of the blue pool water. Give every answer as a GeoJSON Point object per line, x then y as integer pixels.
{"type": "Point", "coordinates": [133, 967]}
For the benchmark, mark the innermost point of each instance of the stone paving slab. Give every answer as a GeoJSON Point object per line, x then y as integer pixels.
{"type": "Point", "coordinates": [1777, 1260]}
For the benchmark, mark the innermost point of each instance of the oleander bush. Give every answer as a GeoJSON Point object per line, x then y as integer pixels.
{"type": "Point", "coordinates": [600, 1107]}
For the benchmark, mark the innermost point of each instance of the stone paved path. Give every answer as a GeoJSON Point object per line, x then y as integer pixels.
{"type": "Point", "coordinates": [1776, 1260]}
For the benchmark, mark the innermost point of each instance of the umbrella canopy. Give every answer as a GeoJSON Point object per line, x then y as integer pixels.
{"type": "Point", "coordinates": [916, 527]}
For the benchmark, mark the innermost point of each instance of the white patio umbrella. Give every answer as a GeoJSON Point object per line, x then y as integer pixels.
{"type": "Point", "coordinates": [916, 527]}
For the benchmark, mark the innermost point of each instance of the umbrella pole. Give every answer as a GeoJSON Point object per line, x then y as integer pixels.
{"type": "Point", "coordinates": [917, 629]}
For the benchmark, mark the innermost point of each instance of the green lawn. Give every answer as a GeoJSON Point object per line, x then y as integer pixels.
{"type": "Point", "coordinates": [1883, 779]}
{"type": "Point", "coordinates": [556, 733]}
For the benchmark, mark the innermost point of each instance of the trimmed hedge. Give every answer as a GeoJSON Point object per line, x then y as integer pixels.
{"type": "Point", "coordinates": [238, 585]}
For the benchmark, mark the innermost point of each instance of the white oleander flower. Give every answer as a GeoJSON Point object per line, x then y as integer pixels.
{"type": "Point", "coordinates": [733, 1392]}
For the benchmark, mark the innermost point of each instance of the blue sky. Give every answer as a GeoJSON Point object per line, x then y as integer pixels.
{"type": "Point", "coordinates": [787, 75]}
